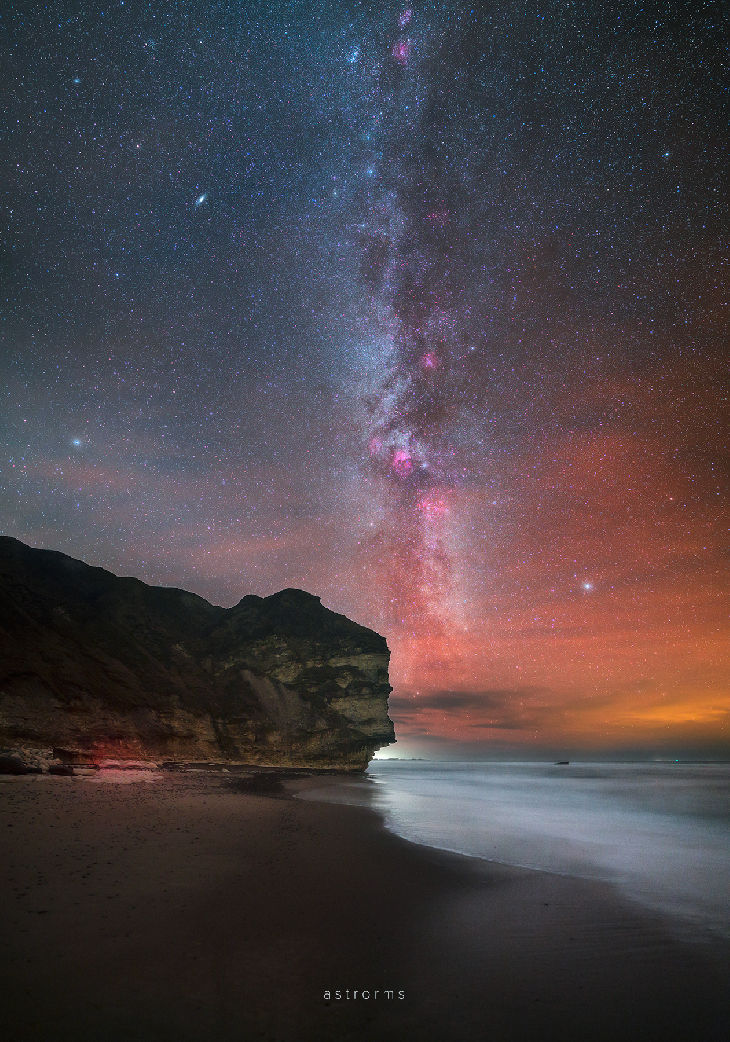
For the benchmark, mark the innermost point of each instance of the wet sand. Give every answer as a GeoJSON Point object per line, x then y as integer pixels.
{"type": "Point", "coordinates": [185, 907]}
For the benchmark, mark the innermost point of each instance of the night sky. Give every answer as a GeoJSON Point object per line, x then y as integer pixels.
{"type": "Point", "coordinates": [418, 308]}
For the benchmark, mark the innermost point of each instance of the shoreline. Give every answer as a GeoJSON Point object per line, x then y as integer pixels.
{"type": "Point", "coordinates": [195, 907]}
{"type": "Point", "coordinates": [684, 928]}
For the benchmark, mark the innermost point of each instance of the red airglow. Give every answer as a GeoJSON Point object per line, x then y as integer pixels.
{"type": "Point", "coordinates": [584, 603]}
{"type": "Point", "coordinates": [480, 589]}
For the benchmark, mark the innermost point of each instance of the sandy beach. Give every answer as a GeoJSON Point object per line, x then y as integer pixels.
{"type": "Point", "coordinates": [152, 907]}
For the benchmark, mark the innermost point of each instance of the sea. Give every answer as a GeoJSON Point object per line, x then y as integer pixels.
{"type": "Point", "coordinates": [659, 832]}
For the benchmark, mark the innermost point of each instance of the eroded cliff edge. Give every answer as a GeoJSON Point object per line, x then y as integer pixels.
{"type": "Point", "coordinates": [110, 667]}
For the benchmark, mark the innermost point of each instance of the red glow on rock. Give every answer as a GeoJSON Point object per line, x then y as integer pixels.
{"type": "Point", "coordinates": [115, 750]}
{"type": "Point", "coordinates": [402, 462]}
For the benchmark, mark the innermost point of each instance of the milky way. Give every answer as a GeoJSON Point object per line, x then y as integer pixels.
{"type": "Point", "coordinates": [421, 308]}
{"type": "Point", "coordinates": [413, 404]}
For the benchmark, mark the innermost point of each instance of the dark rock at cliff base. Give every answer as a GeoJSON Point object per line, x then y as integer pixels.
{"type": "Point", "coordinates": [13, 765]}
{"type": "Point", "coordinates": [95, 667]}
{"type": "Point", "coordinates": [74, 757]}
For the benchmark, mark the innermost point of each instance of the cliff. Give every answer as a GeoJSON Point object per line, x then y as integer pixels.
{"type": "Point", "coordinates": [109, 667]}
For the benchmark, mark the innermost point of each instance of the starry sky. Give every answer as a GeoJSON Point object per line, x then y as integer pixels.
{"type": "Point", "coordinates": [419, 308]}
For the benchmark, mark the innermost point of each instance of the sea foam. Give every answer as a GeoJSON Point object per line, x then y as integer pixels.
{"type": "Point", "coordinates": [658, 831]}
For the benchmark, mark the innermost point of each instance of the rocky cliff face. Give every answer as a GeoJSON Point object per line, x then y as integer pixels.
{"type": "Point", "coordinates": [106, 667]}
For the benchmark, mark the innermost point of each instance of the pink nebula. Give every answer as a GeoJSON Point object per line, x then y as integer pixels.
{"type": "Point", "coordinates": [433, 505]}
{"type": "Point", "coordinates": [374, 446]}
{"type": "Point", "coordinates": [401, 51]}
{"type": "Point", "coordinates": [430, 360]}
{"type": "Point", "coordinates": [402, 462]}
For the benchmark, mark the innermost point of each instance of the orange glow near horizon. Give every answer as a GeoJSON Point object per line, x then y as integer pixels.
{"type": "Point", "coordinates": [586, 607]}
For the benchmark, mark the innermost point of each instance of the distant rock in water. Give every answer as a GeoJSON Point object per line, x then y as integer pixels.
{"type": "Point", "coordinates": [104, 667]}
